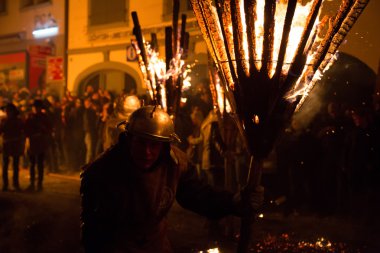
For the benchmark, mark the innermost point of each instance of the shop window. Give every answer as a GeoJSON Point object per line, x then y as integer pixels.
{"type": "Point", "coordinates": [108, 12]}
{"type": "Point", "coordinates": [3, 6]}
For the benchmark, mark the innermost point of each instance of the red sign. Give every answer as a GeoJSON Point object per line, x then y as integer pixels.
{"type": "Point", "coordinates": [39, 50]}
{"type": "Point", "coordinates": [37, 68]}
{"type": "Point", "coordinates": [13, 69]}
{"type": "Point", "coordinates": [54, 70]}
{"type": "Point", "coordinates": [12, 58]}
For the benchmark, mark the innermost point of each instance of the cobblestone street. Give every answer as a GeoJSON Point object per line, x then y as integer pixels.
{"type": "Point", "coordinates": [48, 222]}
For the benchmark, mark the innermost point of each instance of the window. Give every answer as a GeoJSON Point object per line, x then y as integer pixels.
{"type": "Point", "coordinates": [3, 6]}
{"type": "Point", "coordinates": [107, 12]}
{"type": "Point", "coordinates": [184, 8]}
{"type": "Point", "coordinates": [26, 3]}
{"type": "Point", "coordinates": [29, 3]}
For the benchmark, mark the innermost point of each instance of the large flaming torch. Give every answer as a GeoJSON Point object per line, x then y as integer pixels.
{"type": "Point", "coordinates": [165, 78]}
{"type": "Point", "coordinates": [269, 54]}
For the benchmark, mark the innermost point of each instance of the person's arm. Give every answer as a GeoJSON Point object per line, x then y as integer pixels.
{"type": "Point", "coordinates": [214, 203]}
{"type": "Point", "coordinates": [197, 196]}
{"type": "Point", "coordinates": [195, 140]}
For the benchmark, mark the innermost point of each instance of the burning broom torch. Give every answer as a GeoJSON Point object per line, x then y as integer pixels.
{"type": "Point", "coordinates": [270, 54]}
{"type": "Point", "coordinates": [165, 78]}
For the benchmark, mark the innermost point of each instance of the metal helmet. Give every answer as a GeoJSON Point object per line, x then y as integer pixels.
{"type": "Point", "coordinates": [125, 105]}
{"type": "Point", "coordinates": [153, 123]}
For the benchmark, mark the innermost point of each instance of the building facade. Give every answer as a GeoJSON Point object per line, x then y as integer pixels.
{"type": "Point", "coordinates": [91, 44]}
{"type": "Point", "coordinates": [99, 42]}
{"type": "Point", "coordinates": [32, 44]}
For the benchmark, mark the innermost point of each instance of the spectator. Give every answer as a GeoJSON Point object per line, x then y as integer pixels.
{"type": "Point", "coordinates": [12, 130]}
{"type": "Point", "coordinates": [38, 130]}
{"type": "Point", "coordinates": [194, 150]}
{"type": "Point", "coordinates": [89, 127]}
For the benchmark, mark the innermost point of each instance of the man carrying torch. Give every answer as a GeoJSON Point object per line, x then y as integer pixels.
{"type": "Point", "coordinates": [269, 55]}
{"type": "Point", "coordinates": [128, 191]}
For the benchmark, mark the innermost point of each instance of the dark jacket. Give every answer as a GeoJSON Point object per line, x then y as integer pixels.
{"type": "Point", "coordinates": [12, 129]}
{"type": "Point", "coordinates": [38, 129]}
{"type": "Point", "coordinates": [124, 210]}
{"type": "Point", "coordinates": [89, 121]}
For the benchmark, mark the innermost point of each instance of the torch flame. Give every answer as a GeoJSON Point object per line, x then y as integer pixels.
{"type": "Point", "coordinates": [157, 69]}
{"type": "Point", "coordinates": [259, 32]}
{"type": "Point", "coordinates": [269, 54]}
{"type": "Point", "coordinates": [224, 105]}
{"type": "Point", "coordinates": [214, 250]}
{"type": "Point", "coordinates": [296, 31]}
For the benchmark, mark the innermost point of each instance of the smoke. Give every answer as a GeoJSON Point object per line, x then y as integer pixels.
{"type": "Point", "coordinates": [311, 107]}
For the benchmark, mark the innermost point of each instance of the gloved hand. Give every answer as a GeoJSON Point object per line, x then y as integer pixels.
{"type": "Point", "coordinates": [248, 201]}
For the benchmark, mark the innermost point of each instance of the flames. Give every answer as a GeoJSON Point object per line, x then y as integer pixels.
{"type": "Point", "coordinates": [218, 97]}
{"type": "Point", "coordinates": [223, 104]}
{"type": "Point", "coordinates": [295, 34]}
{"type": "Point", "coordinates": [213, 250]}
{"type": "Point", "coordinates": [155, 74]}
{"type": "Point", "coordinates": [269, 55]}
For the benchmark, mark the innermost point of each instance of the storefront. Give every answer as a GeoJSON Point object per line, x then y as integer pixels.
{"type": "Point", "coordinates": [13, 71]}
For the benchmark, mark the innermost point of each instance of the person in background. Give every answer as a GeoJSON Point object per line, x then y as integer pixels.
{"type": "Point", "coordinates": [127, 192]}
{"type": "Point", "coordinates": [52, 154]}
{"type": "Point", "coordinates": [12, 130]}
{"type": "Point", "coordinates": [360, 162]}
{"type": "Point", "coordinates": [297, 156]}
{"type": "Point", "coordinates": [38, 130]}
{"type": "Point", "coordinates": [89, 127]}
{"type": "Point", "coordinates": [213, 149]}
{"type": "Point", "coordinates": [123, 107]}
{"type": "Point", "coordinates": [194, 150]}
{"type": "Point", "coordinates": [100, 127]}
{"type": "Point", "coordinates": [212, 160]}
{"type": "Point", "coordinates": [88, 91]}
{"type": "Point", "coordinates": [74, 135]}
{"type": "Point", "coordinates": [332, 132]}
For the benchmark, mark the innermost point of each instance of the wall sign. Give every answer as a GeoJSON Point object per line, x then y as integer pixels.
{"type": "Point", "coordinates": [131, 53]}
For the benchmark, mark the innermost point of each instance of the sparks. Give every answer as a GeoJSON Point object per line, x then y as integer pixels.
{"type": "Point", "coordinates": [158, 75]}
{"type": "Point", "coordinates": [270, 54]}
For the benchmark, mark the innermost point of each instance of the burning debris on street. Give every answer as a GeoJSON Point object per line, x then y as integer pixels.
{"type": "Point", "coordinates": [285, 243]}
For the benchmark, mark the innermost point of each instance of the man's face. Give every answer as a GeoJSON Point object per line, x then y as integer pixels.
{"type": "Point", "coordinates": [87, 103]}
{"type": "Point", "coordinates": [145, 152]}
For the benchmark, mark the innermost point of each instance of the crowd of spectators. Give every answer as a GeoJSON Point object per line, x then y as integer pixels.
{"type": "Point", "coordinates": [74, 121]}
{"type": "Point", "coordinates": [331, 166]}
{"type": "Point", "coordinates": [78, 121]}
{"type": "Point", "coordinates": [328, 166]}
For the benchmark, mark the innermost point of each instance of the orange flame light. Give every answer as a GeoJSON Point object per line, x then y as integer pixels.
{"type": "Point", "coordinates": [157, 73]}
{"type": "Point", "coordinates": [214, 250]}
{"type": "Point", "coordinates": [269, 54]}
